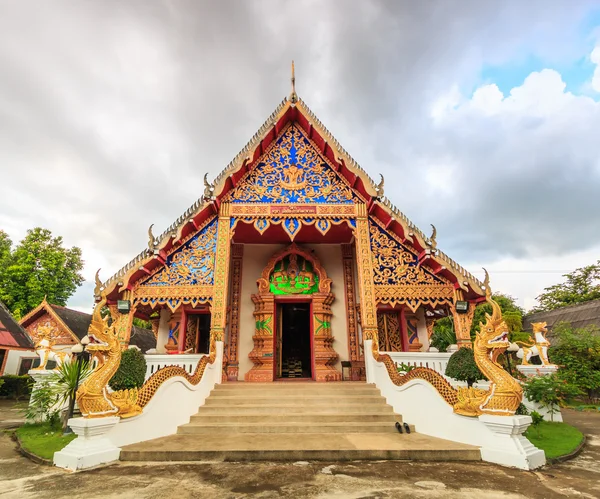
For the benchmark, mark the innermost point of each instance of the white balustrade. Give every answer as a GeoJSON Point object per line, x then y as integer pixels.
{"type": "Point", "coordinates": [154, 362]}
{"type": "Point", "coordinates": [433, 360]}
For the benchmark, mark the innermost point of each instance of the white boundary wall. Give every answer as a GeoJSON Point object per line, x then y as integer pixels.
{"type": "Point", "coordinates": [99, 440]}
{"type": "Point", "coordinates": [499, 437]}
{"type": "Point", "coordinates": [154, 362]}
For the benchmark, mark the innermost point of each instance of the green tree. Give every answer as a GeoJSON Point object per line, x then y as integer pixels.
{"type": "Point", "coordinates": [577, 351]}
{"type": "Point", "coordinates": [131, 372]}
{"type": "Point", "coordinates": [581, 285]}
{"type": "Point", "coordinates": [462, 366]}
{"type": "Point", "coordinates": [443, 330]}
{"type": "Point", "coordinates": [511, 312]}
{"type": "Point", "coordinates": [38, 266]}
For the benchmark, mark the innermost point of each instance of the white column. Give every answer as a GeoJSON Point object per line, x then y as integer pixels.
{"type": "Point", "coordinates": [163, 330]}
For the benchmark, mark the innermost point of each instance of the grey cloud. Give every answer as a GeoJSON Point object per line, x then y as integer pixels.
{"type": "Point", "coordinates": [111, 112]}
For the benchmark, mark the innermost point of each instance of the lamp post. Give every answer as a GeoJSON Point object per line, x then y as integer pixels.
{"type": "Point", "coordinates": [77, 351]}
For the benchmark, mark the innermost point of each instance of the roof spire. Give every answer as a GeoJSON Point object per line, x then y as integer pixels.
{"type": "Point", "coordinates": [293, 95]}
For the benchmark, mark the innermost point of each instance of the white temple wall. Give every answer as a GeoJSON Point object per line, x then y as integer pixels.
{"type": "Point", "coordinates": [330, 256]}
{"type": "Point", "coordinates": [422, 329]}
{"type": "Point", "coordinates": [256, 257]}
{"type": "Point", "coordinates": [163, 330]}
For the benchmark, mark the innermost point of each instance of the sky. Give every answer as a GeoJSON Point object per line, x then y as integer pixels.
{"type": "Point", "coordinates": [483, 117]}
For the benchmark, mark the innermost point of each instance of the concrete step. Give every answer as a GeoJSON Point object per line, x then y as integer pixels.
{"type": "Point", "coordinates": [240, 400]}
{"type": "Point", "coordinates": [285, 409]}
{"type": "Point", "coordinates": [364, 417]}
{"type": "Point", "coordinates": [293, 389]}
{"type": "Point", "coordinates": [288, 447]}
{"type": "Point", "coordinates": [287, 427]}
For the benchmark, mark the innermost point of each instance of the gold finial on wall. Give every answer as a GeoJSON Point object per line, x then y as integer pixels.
{"type": "Point", "coordinates": [293, 95]}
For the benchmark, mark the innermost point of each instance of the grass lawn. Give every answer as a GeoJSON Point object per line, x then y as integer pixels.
{"type": "Point", "coordinates": [555, 439]}
{"type": "Point", "coordinates": [42, 440]}
{"type": "Point", "coordinates": [580, 405]}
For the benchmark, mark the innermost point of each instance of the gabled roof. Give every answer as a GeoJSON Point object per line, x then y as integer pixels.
{"type": "Point", "coordinates": [578, 315]}
{"type": "Point", "coordinates": [12, 333]}
{"type": "Point", "coordinates": [380, 207]}
{"type": "Point", "coordinates": [77, 324]}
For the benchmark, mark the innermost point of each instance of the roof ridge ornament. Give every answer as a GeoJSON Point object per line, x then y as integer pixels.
{"type": "Point", "coordinates": [293, 95]}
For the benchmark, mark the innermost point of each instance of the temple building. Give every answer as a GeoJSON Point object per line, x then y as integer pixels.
{"type": "Point", "coordinates": [14, 344]}
{"type": "Point", "coordinates": [293, 257]}
{"type": "Point", "coordinates": [56, 329]}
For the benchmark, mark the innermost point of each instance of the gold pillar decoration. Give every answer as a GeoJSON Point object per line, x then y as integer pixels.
{"type": "Point", "coordinates": [237, 256]}
{"type": "Point", "coordinates": [364, 260]}
{"type": "Point", "coordinates": [262, 353]}
{"type": "Point", "coordinates": [219, 304]}
{"type": "Point", "coordinates": [429, 324]}
{"type": "Point", "coordinates": [357, 361]}
{"type": "Point", "coordinates": [462, 322]}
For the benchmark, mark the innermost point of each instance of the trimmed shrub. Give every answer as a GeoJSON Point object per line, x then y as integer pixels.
{"type": "Point", "coordinates": [15, 387]}
{"type": "Point", "coordinates": [462, 367]}
{"type": "Point", "coordinates": [131, 372]}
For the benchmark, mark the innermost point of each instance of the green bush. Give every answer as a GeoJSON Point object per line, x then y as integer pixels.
{"type": "Point", "coordinates": [131, 372]}
{"type": "Point", "coordinates": [549, 391]}
{"type": "Point", "coordinates": [462, 367]}
{"type": "Point", "coordinates": [15, 387]}
{"type": "Point", "coordinates": [443, 334]}
{"type": "Point", "coordinates": [578, 353]}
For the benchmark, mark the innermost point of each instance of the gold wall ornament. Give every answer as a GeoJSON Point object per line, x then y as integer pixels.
{"type": "Point", "coordinates": [192, 264]}
{"type": "Point", "coordinates": [354, 343]}
{"type": "Point", "coordinates": [364, 260]}
{"type": "Point", "coordinates": [221, 280]}
{"type": "Point", "coordinates": [390, 331]}
{"type": "Point", "coordinates": [232, 368]}
{"type": "Point", "coordinates": [394, 264]}
{"type": "Point", "coordinates": [292, 170]}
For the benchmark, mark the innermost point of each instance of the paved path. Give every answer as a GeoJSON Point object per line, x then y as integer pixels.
{"type": "Point", "coordinates": [580, 477]}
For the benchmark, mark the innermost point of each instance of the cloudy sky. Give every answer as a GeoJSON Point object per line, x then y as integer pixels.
{"type": "Point", "coordinates": [484, 117]}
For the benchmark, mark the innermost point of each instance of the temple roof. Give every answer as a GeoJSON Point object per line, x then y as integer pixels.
{"type": "Point", "coordinates": [12, 334]}
{"type": "Point", "coordinates": [578, 315]}
{"type": "Point", "coordinates": [78, 323]}
{"type": "Point", "coordinates": [380, 207]}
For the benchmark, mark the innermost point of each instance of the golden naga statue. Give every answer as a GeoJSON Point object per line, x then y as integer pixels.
{"type": "Point", "coordinates": [95, 399]}
{"type": "Point", "coordinates": [504, 395]}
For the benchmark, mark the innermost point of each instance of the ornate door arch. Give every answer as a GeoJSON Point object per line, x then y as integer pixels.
{"type": "Point", "coordinates": [298, 272]}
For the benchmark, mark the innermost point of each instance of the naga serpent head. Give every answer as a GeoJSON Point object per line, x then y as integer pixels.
{"type": "Point", "coordinates": [493, 335]}
{"type": "Point", "coordinates": [101, 335]}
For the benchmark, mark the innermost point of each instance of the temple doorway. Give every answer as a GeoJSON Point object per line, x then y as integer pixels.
{"type": "Point", "coordinates": [293, 349]}
{"type": "Point", "coordinates": [197, 337]}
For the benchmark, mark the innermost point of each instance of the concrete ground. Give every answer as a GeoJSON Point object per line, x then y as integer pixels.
{"type": "Point", "coordinates": [12, 414]}
{"type": "Point", "coordinates": [580, 477]}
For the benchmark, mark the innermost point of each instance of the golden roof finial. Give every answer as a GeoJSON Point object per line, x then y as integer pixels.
{"type": "Point", "coordinates": [293, 95]}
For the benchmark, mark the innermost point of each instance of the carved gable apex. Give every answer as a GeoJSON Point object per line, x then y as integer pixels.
{"type": "Point", "coordinates": [292, 170]}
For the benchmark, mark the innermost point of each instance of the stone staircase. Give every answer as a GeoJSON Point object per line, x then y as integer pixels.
{"type": "Point", "coordinates": [295, 421]}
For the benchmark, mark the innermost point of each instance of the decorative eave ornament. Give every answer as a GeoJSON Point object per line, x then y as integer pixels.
{"type": "Point", "coordinates": [293, 94]}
